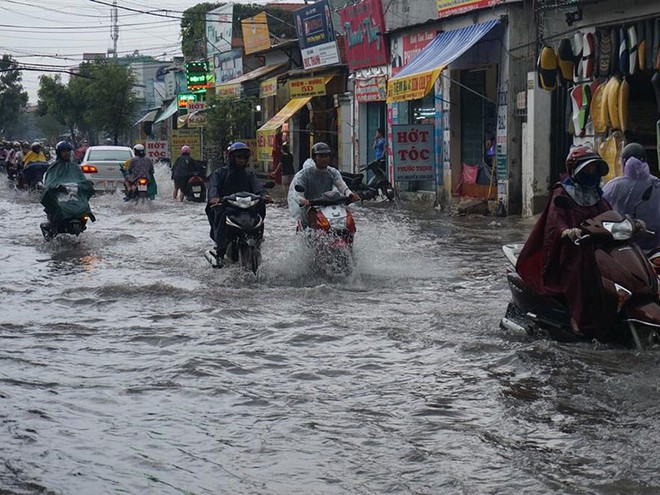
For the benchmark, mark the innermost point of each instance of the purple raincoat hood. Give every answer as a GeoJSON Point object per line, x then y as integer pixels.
{"type": "Point", "coordinates": [636, 169]}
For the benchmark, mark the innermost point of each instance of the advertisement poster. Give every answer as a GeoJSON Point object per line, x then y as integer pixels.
{"type": "Point", "coordinates": [228, 65]}
{"type": "Point", "coordinates": [268, 87]}
{"type": "Point", "coordinates": [372, 89]}
{"type": "Point", "coordinates": [363, 27]}
{"type": "Point", "coordinates": [448, 8]}
{"type": "Point", "coordinates": [196, 117]}
{"type": "Point", "coordinates": [190, 137]}
{"type": "Point", "coordinates": [406, 47]}
{"type": "Point", "coordinates": [157, 150]}
{"type": "Point", "coordinates": [255, 33]}
{"type": "Point", "coordinates": [309, 86]}
{"type": "Point", "coordinates": [316, 35]}
{"type": "Point", "coordinates": [413, 153]}
{"type": "Point", "coordinates": [219, 29]}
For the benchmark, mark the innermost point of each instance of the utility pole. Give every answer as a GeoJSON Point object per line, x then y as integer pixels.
{"type": "Point", "coordinates": [114, 28]}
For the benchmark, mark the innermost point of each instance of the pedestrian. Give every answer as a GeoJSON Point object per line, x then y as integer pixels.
{"type": "Point", "coordinates": [181, 172]}
{"type": "Point", "coordinates": [379, 143]}
{"type": "Point", "coordinates": [286, 164]}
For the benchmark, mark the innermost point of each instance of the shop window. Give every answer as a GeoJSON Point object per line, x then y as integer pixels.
{"type": "Point", "coordinates": [422, 111]}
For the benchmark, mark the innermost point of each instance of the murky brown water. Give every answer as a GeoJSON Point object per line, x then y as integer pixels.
{"type": "Point", "coordinates": [128, 365]}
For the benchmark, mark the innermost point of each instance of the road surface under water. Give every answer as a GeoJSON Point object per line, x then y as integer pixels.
{"type": "Point", "coordinates": [128, 365]}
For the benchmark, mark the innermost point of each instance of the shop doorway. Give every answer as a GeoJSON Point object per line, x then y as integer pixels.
{"type": "Point", "coordinates": [478, 116]}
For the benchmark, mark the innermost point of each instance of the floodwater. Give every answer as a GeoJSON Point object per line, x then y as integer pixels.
{"type": "Point", "coordinates": [128, 365]}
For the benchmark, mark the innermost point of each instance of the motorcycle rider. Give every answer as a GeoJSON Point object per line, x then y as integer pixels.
{"type": "Point", "coordinates": [34, 155]}
{"type": "Point", "coordinates": [140, 167]}
{"type": "Point", "coordinates": [625, 193]}
{"type": "Point", "coordinates": [317, 179]}
{"type": "Point", "coordinates": [227, 180]}
{"type": "Point", "coordinates": [184, 167]}
{"type": "Point", "coordinates": [63, 167]}
{"type": "Point", "coordinates": [552, 265]}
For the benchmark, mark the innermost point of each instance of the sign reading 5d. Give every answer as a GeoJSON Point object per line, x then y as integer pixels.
{"type": "Point", "coordinates": [310, 86]}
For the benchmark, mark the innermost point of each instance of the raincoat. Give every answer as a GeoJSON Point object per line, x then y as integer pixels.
{"type": "Point", "coordinates": [556, 267]}
{"type": "Point", "coordinates": [66, 191]}
{"type": "Point", "coordinates": [316, 182]}
{"type": "Point", "coordinates": [623, 193]}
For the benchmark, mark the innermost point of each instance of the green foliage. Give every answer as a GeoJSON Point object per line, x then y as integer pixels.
{"type": "Point", "coordinates": [13, 98]}
{"type": "Point", "coordinates": [99, 98]}
{"type": "Point", "coordinates": [228, 118]}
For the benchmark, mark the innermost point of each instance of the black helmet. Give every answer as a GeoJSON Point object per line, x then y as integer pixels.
{"type": "Point", "coordinates": [633, 149]}
{"type": "Point", "coordinates": [63, 146]}
{"type": "Point", "coordinates": [321, 149]}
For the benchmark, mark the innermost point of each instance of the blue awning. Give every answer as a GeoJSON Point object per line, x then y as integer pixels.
{"type": "Point", "coordinates": [417, 78]}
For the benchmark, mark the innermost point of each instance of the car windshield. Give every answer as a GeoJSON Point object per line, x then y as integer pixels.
{"type": "Point", "coordinates": [108, 155]}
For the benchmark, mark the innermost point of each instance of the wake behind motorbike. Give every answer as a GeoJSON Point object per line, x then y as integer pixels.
{"type": "Point", "coordinates": [378, 183]}
{"type": "Point", "coordinates": [629, 284]}
{"type": "Point", "coordinates": [331, 230]}
{"type": "Point", "coordinates": [245, 229]}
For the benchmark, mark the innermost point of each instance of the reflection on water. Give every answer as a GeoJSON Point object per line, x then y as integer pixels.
{"type": "Point", "coordinates": [128, 365]}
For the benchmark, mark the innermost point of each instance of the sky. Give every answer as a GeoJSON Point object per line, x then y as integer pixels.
{"type": "Point", "coordinates": [57, 32]}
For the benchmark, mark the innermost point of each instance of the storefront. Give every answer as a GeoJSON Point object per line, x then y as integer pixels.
{"type": "Point", "coordinates": [446, 94]}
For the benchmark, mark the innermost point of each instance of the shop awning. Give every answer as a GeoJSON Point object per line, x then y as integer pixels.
{"type": "Point", "coordinates": [288, 111]}
{"type": "Point", "coordinates": [250, 76]}
{"type": "Point", "coordinates": [150, 116]}
{"type": "Point", "coordinates": [189, 118]}
{"type": "Point", "coordinates": [169, 111]}
{"type": "Point", "coordinates": [418, 77]}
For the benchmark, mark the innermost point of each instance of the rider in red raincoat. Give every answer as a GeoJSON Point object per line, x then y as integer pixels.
{"type": "Point", "coordinates": [552, 265]}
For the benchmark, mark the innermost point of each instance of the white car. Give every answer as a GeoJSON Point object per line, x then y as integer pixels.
{"type": "Point", "coordinates": [102, 165]}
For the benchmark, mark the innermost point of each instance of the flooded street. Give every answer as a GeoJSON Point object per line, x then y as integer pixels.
{"type": "Point", "coordinates": [129, 365]}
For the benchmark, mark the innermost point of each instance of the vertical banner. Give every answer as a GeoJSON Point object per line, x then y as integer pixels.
{"type": "Point", "coordinates": [363, 26]}
{"type": "Point", "coordinates": [255, 33]}
{"type": "Point", "coordinates": [219, 30]}
{"type": "Point", "coordinates": [190, 137]}
{"type": "Point", "coordinates": [157, 150]}
{"type": "Point", "coordinates": [316, 35]}
{"type": "Point", "coordinates": [413, 153]}
{"type": "Point", "coordinates": [501, 154]}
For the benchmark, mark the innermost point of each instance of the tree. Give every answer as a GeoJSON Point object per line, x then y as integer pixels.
{"type": "Point", "coordinates": [110, 98]}
{"type": "Point", "coordinates": [13, 98]}
{"type": "Point", "coordinates": [228, 118]}
{"type": "Point", "coordinates": [63, 102]}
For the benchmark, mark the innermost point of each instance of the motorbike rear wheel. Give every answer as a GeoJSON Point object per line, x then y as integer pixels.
{"type": "Point", "coordinates": [249, 258]}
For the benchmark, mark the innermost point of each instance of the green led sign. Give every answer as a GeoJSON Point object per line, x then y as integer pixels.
{"type": "Point", "coordinates": [198, 76]}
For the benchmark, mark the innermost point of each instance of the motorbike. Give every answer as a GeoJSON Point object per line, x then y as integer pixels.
{"type": "Point", "coordinates": [654, 258]}
{"type": "Point", "coordinates": [67, 209]}
{"type": "Point", "coordinates": [377, 185]}
{"type": "Point", "coordinates": [332, 229]}
{"type": "Point", "coordinates": [245, 229]}
{"type": "Point", "coordinates": [140, 192]}
{"type": "Point", "coordinates": [195, 189]}
{"type": "Point", "coordinates": [31, 176]}
{"type": "Point", "coordinates": [628, 279]}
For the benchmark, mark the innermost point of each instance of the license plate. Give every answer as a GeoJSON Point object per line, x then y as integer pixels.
{"type": "Point", "coordinates": [197, 188]}
{"type": "Point", "coordinates": [142, 187]}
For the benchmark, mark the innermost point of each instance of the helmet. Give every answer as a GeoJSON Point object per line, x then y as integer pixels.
{"type": "Point", "coordinates": [321, 149]}
{"type": "Point", "coordinates": [17, 144]}
{"type": "Point", "coordinates": [35, 145]}
{"type": "Point", "coordinates": [633, 149]}
{"type": "Point", "coordinates": [185, 149]}
{"type": "Point", "coordinates": [238, 146]}
{"type": "Point", "coordinates": [139, 149]}
{"type": "Point", "coordinates": [582, 155]}
{"type": "Point", "coordinates": [62, 146]}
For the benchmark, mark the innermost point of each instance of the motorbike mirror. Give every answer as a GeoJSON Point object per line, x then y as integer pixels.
{"type": "Point", "coordinates": [299, 188]}
{"type": "Point", "coordinates": [563, 202]}
{"type": "Point", "coordinates": [269, 184]}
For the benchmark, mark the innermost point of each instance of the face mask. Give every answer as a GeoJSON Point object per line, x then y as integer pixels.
{"type": "Point", "coordinates": [588, 180]}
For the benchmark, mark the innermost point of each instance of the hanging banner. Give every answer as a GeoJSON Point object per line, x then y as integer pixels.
{"type": "Point", "coordinates": [228, 90]}
{"type": "Point", "coordinates": [264, 145]}
{"type": "Point", "coordinates": [447, 8]}
{"type": "Point", "coordinates": [407, 46]}
{"type": "Point", "coordinates": [228, 65]}
{"type": "Point", "coordinates": [413, 153]}
{"type": "Point", "coordinates": [363, 27]}
{"type": "Point", "coordinates": [309, 86]}
{"type": "Point", "coordinates": [412, 87]}
{"type": "Point", "coordinates": [372, 89]}
{"type": "Point", "coordinates": [268, 87]}
{"type": "Point", "coordinates": [219, 30]}
{"type": "Point", "coordinates": [190, 137]}
{"type": "Point", "coordinates": [255, 33]}
{"type": "Point", "coordinates": [316, 35]}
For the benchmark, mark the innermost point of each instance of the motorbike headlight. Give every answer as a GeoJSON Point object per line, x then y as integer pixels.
{"type": "Point", "coordinates": [620, 231]}
{"type": "Point", "coordinates": [338, 223]}
{"type": "Point", "coordinates": [244, 202]}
